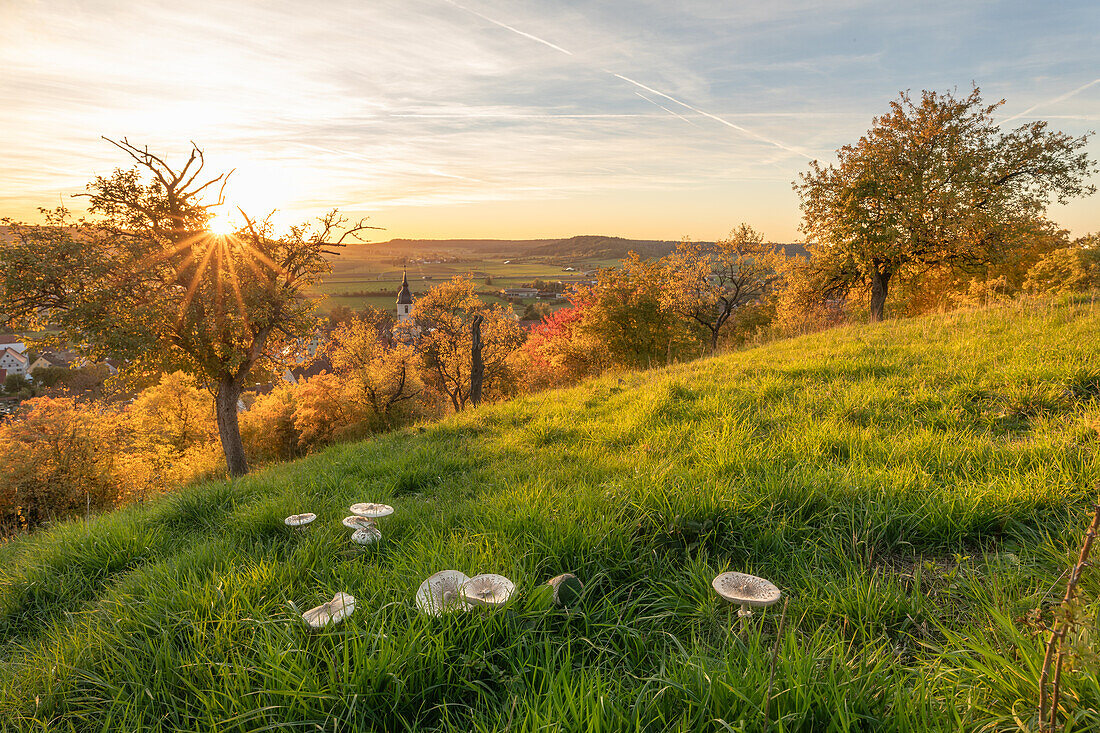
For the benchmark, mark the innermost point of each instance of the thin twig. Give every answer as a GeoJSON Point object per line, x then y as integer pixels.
{"type": "Point", "coordinates": [1048, 718]}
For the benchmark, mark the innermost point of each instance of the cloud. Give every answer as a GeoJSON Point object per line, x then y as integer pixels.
{"type": "Point", "coordinates": [1049, 102]}
{"type": "Point", "coordinates": [402, 105]}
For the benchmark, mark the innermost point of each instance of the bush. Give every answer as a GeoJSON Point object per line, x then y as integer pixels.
{"type": "Point", "coordinates": [55, 460]}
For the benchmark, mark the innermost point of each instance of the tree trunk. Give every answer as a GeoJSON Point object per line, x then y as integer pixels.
{"type": "Point", "coordinates": [880, 282]}
{"type": "Point", "coordinates": [477, 366]}
{"type": "Point", "coordinates": [225, 404]}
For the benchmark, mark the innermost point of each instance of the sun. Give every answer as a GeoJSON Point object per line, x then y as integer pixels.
{"type": "Point", "coordinates": [221, 225]}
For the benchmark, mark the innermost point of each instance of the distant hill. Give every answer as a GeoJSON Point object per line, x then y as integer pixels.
{"type": "Point", "coordinates": [584, 246]}
{"type": "Point", "coordinates": [580, 247]}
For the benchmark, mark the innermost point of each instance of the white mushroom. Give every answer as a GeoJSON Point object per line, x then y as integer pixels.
{"type": "Point", "coordinates": [366, 535]}
{"type": "Point", "coordinates": [747, 591]}
{"type": "Point", "coordinates": [357, 522]}
{"type": "Point", "coordinates": [370, 510]}
{"type": "Point", "coordinates": [333, 612]}
{"type": "Point", "coordinates": [488, 590]}
{"type": "Point", "coordinates": [299, 521]}
{"type": "Point", "coordinates": [442, 593]}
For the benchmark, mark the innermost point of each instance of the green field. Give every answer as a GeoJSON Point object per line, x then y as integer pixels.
{"type": "Point", "coordinates": [916, 488]}
{"type": "Point", "coordinates": [375, 269]}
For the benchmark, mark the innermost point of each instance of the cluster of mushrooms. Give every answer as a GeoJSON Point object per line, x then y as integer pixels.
{"type": "Point", "coordinates": [362, 522]}
{"type": "Point", "coordinates": [453, 590]}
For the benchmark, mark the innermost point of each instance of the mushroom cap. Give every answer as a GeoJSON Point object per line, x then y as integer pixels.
{"type": "Point", "coordinates": [333, 612]}
{"type": "Point", "coordinates": [357, 522]}
{"type": "Point", "coordinates": [366, 535]}
{"type": "Point", "coordinates": [441, 593]}
{"type": "Point", "coordinates": [488, 590]}
{"type": "Point", "coordinates": [567, 589]}
{"type": "Point", "coordinates": [746, 590]}
{"type": "Point", "coordinates": [371, 510]}
{"type": "Point", "coordinates": [299, 520]}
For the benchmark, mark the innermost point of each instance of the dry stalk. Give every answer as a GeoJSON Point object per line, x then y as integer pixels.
{"type": "Point", "coordinates": [1048, 707]}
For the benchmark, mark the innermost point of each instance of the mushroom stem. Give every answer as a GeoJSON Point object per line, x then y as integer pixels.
{"type": "Point", "coordinates": [744, 613]}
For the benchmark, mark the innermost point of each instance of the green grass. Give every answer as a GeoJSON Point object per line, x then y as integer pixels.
{"type": "Point", "coordinates": [916, 488]}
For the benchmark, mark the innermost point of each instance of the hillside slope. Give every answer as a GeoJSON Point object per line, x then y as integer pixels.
{"type": "Point", "coordinates": [916, 488]}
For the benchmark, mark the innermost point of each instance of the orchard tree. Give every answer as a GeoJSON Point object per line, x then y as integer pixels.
{"type": "Point", "coordinates": [625, 312]}
{"type": "Point", "coordinates": [709, 283]}
{"type": "Point", "coordinates": [364, 351]}
{"type": "Point", "coordinates": [144, 279]}
{"type": "Point", "coordinates": [441, 332]}
{"type": "Point", "coordinates": [934, 183]}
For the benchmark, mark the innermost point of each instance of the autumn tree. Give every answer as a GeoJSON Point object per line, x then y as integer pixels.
{"type": "Point", "coordinates": [710, 283]}
{"type": "Point", "coordinates": [53, 461]}
{"type": "Point", "coordinates": [934, 183]}
{"type": "Point", "coordinates": [145, 280]}
{"type": "Point", "coordinates": [364, 351]}
{"type": "Point", "coordinates": [626, 313]}
{"type": "Point", "coordinates": [174, 412]}
{"type": "Point", "coordinates": [1073, 268]}
{"type": "Point", "coordinates": [557, 352]}
{"type": "Point", "coordinates": [440, 332]}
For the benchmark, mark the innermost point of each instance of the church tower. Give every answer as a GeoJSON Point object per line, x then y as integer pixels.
{"type": "Point", "coordinates": [404, 299]}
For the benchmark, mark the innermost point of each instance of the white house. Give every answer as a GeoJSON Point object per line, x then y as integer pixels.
{"type": "Point", "coordinates": [520, 292]}
{"type": "Point", "coordinates": [14, 362]}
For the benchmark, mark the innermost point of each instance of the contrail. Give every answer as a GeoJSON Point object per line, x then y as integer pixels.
{"type": "Point", "coordinates": [666, 109]}
{"type": "Point", "coordinates": [508, 27]}
{"type": "Point", "coordinates": [716, 118]}
{"type": "Point", "coordinates": [696, 110]}
{"type": "Point", "coordinates": [1067, 95]}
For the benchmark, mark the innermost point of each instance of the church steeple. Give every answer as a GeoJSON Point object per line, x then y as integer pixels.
{"type": "Point", "coordinates": [404, 297]}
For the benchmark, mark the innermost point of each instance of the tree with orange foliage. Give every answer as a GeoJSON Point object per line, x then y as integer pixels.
{"type": "Point", "coordinates": [714, 284]}
{"type": "Point", "coordinates": [934, 183]}
{"type": "Point", "coordinates": [440, 335]}
{"type": "Point", "coordinates": [53, 460]}
{"type": "Point", "coordinates": [147, 281]}
{"type": "Point", "coordinates": [365, 352]}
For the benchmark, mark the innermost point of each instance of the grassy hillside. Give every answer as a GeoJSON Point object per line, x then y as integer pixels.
{"type": "Point", "coordinates": [916, 488]}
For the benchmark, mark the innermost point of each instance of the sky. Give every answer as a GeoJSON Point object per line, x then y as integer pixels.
{"type": "Point", "coordinates": [522, 119]}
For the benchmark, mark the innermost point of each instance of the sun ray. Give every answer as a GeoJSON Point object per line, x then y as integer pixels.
{"type": "Point", "coordinates": [195, 282]}
{"type": "Point", "coordinates": [232, 269]}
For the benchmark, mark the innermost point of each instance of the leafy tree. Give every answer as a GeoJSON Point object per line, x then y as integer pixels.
{"type": "Point", "coordinates": [1074, 268]}
{"type": "Point", "coordinates": [709, 283]}
{"type": "Point", "coordinates": [536, 311]}
{"type": "Point", "coordinates": [441, 333]}
{"type": "Point", "coordinates": [339, 315]}
{"type": "Point", "coordinates": [148, 282]}
{"type": "Point", "coordinates": [175, 412]}
{"type": "Point", "coordinates": [328, 408]}
{"type": "Point", "coordinates": [933, 183]}
{"type": "Point", "coordinates": [364, 351]}
{"type": "Point", "coordinates": [557, 352]}
{"type": "Point", "coordinates": [625, 312]}
{"type": "Point", "coordinates": [53, 461]}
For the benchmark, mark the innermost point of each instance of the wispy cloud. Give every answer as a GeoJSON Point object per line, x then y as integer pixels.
{"type": "Point", "coordinates": [496, 118]}
{"type": "Point", "coordinates": [1049, 102]}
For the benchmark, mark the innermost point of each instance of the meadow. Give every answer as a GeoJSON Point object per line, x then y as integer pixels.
{"type": "Point", "coordinates": [917, 488]}
{"type": "Point", "coordinates": [376, 269]}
